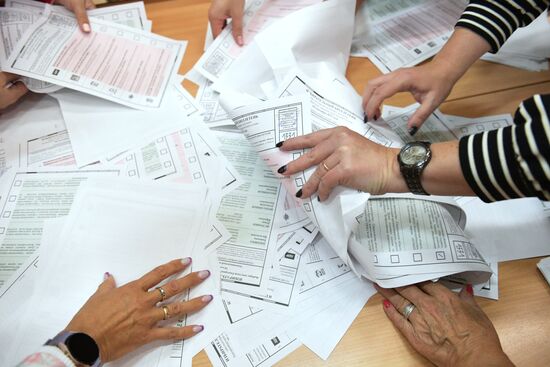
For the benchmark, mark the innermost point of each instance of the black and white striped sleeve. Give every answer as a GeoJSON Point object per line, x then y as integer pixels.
{"type": "Point", "coordinates": [514, 161]}
{"type": "Point", "coordinates": [496, 20]}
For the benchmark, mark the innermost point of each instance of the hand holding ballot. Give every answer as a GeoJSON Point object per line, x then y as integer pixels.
{"type": "Point", "coordinates": [220, 11]}
{"type": "Point", "coordinates": [343, 157]}
{"type": "Point", "coordinates": [79, 8]}
{"type": "Point", "coordinates": [122, 319]}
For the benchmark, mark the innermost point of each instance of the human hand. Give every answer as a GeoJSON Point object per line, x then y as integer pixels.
{"type": "Point", "coordinates": [343, 157]}
{"type": "Point", "coordinates": [11, 89]}
{"type": "Point", "coordinates": [220, 11]}
{"type": "Point", "coordinates": [429, 84]}
{"type": "Point", "coordinates": [446, 328]}
{"type": "Point", "coordinates": [125, 318]}
{"type": "Point", "coordinates": [79, 7]}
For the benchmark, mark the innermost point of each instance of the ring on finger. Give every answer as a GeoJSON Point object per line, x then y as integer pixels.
{"type": "Point", "coordinates": [162, 293]}
{"type": "Point", "coordinates": [165, 312]}
{"type": "Point", "coordinates": [325, 167]}
{"type": "Point", "coordinates": [408, 310]}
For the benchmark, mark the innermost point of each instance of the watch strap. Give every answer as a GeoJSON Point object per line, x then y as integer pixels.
{"type": "Point", "coordinates": [412, 179]}
{"type": "Point", "coordinates": [60, 341]}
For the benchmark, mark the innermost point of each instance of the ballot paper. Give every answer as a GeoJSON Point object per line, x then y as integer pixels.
{"type": "Point", "coordinates": [258, 15]}
{"type": "Point", "coordinates": [254, 213]}
{"type": "Point", "coordinates": [19, 288]}
{"type": "Point", "coordinates": [184, 155]}
{"type": "Point", "coordinates": [263, 337]}
{"type": "Point", "coordinates": [527, 48]}
{"type": "Point", "coordinates": [438, 127]}
{"type": "Point", "coordinates": [544, 267]}
{"type": "Point", "coordinates": [405, 239]}
{"type": "Point", "coordinates": [115, 62]}
{"type": "Point", "coordinates": [99, 128]}
{"type": "Point", "coordinates": [268, 122]}
{"type": "Point", "coordinates": [296, 41]}
{"type": "Point", "coordinates": [138, 203]}
{"type": "Point", "coordinates": [132, 14]}
{"type": "Point", "coordinates": [33, 135]}
{"type": "Point", "coordinates": [208, 99]}
{"type": "Point", "coordinates": [396, 34]}
{"type": "Point", "coordinates": [29, 198]}
{"type": "Point", "coordinates": [20, 14]}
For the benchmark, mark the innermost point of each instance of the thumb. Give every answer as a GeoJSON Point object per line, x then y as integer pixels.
{"type": "Point", "coordinates": [237, 22]}
{"type": "Point", "coordinates": [79, 10]}
{"type": "Point", "coordinates": [107, 284]}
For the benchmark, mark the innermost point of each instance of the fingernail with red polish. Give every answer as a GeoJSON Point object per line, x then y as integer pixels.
{"type": "Point", "coordinates": [203, 274]}
{"type": "Point", "coordinates": [470, 289]}
{"type": "Point", "coordinates": [186, 261]}
{"type": "Point", "coordinates": [387, 304]}
{"type": "Point", "coordinates": [106, 275]}
{"type": "Point", "coordinates": [206, 299]}
{"type": "Point", "coordinates": [279, 144]}
{"type": "Point", "coordinates": [198, 328]}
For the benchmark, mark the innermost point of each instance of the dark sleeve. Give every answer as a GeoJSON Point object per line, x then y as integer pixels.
{"type": "Point", "coordinates": [496, 20]}
{"type": "Point", "coordinates": [511, 162]}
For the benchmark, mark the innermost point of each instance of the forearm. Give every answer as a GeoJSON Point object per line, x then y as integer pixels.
{"type": "Point", "coordinates": [442, 176]}
{"type": "Point", "coordinates": [463, 49]}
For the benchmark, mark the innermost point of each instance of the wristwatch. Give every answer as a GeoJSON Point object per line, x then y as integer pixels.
{"type": "Point", "coordinates": [79, 347]}
{"type": "Point", "coordinates": [413, 158]}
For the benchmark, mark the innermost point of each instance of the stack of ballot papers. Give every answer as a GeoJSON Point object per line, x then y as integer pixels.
{"type": "Point", "coordinates": [113, 167]}
{"type": "Point", "coordinates": [397, 34]}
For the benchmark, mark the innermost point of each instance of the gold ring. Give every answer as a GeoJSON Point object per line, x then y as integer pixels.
{"type": "Point", "coordinates": [325, 166]}
{"type": "Point", "coordinates": [162, 293]}
{"type": "Point", "coordinates": [165, 311]}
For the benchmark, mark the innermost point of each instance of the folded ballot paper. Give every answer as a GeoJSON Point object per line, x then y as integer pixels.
{"type": "Point", "coordinates": [302, 82]}
{"type": "Point", "coordinates": [120, 60]}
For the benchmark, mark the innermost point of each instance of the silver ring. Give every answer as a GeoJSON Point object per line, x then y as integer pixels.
{"type": "Point", "coordinates": [165, 311]}
{"type": "Point", "coordinates": [408, 310]}
{"type": "Point", "coordinates": [162, 293]}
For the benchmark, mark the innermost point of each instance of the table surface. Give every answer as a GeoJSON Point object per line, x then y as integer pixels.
{"type": "Point", "coordinates": [521, 315]}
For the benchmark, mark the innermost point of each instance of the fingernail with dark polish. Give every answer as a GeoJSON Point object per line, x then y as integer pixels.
{"type": "Point", "coordinates": [318, 198]}
{"type": "Point", "coordinates": [376, 117]}
{"type": "Point", "coordinates": [413, 130]}
{"type": "Point", "coordinates": [387, 303]}
{"type": "Point", "coordinates": [366, 119]}
{"type": "Point", "coordinates": [198, 328]}
{"type": "Point", "coordinates": [470, 289]}
{"type": "Point", "coordinates": [106, 275]}
{"type": "Point", "coordinates": [279, 144]}
{"type": "Point", "coordinates": [299, 193]}
{"type": "Point", "coordinates": [282, 169]}
{"type": "Point", "coordinates": [186, 261]}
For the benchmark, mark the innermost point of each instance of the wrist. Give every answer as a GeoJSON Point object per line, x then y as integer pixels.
{"type": "Point", "coordinates": [395, 182]}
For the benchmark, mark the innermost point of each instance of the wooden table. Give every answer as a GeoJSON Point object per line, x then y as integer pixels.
{"type": "Point", "coordinates": [522, 314]}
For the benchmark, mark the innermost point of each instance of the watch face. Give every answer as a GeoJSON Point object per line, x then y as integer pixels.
{"type": "Point", "coordinates": [414, 154]}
